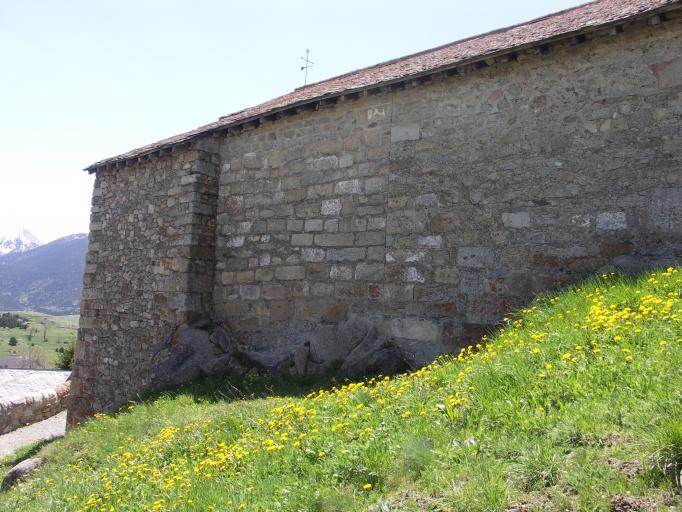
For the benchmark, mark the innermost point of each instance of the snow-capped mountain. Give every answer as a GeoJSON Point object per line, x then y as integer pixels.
{"type": "Point", "coordinates": [48, 278]}
{"type": "Point", "coordinates": [19, 241]}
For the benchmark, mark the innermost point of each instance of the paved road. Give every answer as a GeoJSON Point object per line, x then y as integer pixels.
{"type": "Point", "coordinates": [21, 437]}
{"type": "Point", "coordinates": [19, 383]}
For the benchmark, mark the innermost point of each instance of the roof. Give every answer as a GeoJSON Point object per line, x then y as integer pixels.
{"type": "Point", "coordinates": [578, 20]}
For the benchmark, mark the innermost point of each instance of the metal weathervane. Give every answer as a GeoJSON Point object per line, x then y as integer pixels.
{"type": "Point", "coordinates": [308, 64]}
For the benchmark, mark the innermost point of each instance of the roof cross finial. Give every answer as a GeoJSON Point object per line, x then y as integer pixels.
{"type": "Point", "coordinates": [308, 64]}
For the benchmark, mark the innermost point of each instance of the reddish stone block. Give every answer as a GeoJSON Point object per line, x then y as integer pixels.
{"type": "Point", "coordinates": [335, 313]}
{"type": "Point", "coordinates": [546, 261]}
{"type": "Point", "coordinates": [616, 248]}
{"type": "Point", "coordinates": [281, 310]}
{"type": "Point", "coordinates": [443, 309]}
{"type": "Point", "coordinates": [308, 309]}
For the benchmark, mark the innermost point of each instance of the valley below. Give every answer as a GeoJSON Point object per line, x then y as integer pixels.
{"type": "Point", "coordinates": [40, 344]}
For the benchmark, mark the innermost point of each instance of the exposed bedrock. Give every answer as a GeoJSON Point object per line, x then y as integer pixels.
{"type": "Point", "coordinates": [353, 348]}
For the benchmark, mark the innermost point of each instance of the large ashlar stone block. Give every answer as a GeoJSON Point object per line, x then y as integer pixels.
{"type": "Point", "coordinates": [341, 273]}
{"type": "Point", "coordinates": [370, 238]}
{"type": "Point", "coordinates": [313, 254]}
{"type": "Point", "coordinates": [330, 207]}
{"type": "Point", "coordinates": [431, 241]}
{"type": "Point", "coordinates": [516, 220]}
{"type": "Point", "coordinates": [369, 272]}
{"type": "Point", "coordinates": [611, 221]}
{"type": "Point", "coordinates": [314, 225]}
{"type": "Point", "coordinates": [417, 329]}
{"type": "Point", "coordinates": [298, 239]}
{"type": "Point", "coordinates": [274, 291]}
{"type": "Point", "coordinates": [249, 291]}
{"type": "Point", "coordinates": [405, 132]}
{"type": "Point", "coordinates": [475, 257]}
{"type": "Point", "coordinates": [666, 211]}
{"type": "Point", "coordinates": [375, 185]}
{"type": "Point", "coordinates": [413, 275]}
{"type": "Point", "coordinates": [289, 273]}
{"type": "Point", "coordinates": [347, 254]}
{"type": "Point", "coordinates": [334, 239]}
{"type": "Point", "coordinates": [348, 187]}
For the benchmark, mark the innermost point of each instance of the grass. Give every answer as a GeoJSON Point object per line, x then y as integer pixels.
{"type": "Point", "coordinates": [60, 332]}
{"type": "Point", "coordinates": [576, 402]}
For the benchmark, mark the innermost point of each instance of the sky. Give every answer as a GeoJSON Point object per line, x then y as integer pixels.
{"type": "Point", "coordinates": [84, 80]}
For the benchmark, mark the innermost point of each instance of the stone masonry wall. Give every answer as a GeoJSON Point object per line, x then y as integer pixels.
{"type": "Point", "coordinates": [427, 213]}
{"type": "Point", "coordinates": [149, 268]}
{"type": "Point", "coordinates": [387, 228]}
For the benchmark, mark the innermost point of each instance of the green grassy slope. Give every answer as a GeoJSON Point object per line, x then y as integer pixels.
{"type": "Point", "coordinates": [60, 331]}
{"type": "Point", "coordinates": [575, 405]}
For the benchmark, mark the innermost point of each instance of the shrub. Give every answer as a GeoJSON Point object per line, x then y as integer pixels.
{"type": "Point", "coordinates": [65, 358]}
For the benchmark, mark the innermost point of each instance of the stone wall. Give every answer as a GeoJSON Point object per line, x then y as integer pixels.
{"type": "Point", "coordinates": [149, 269]}
{"type": "Point", "coordinates": [429, 212]}
{"type": "Point", "coordinates": [19, 411]}
{"type": "Point", "coordinates": [391, 227]}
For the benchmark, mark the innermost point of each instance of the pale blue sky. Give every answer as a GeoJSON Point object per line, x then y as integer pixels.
{"type": "Point", "coordinates": [85, 80]}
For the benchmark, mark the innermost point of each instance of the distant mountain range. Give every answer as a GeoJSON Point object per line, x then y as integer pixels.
{"type": "Point", "coordinates": [46, 278]}
{"type": "Point", "coordinates": [20, 241]}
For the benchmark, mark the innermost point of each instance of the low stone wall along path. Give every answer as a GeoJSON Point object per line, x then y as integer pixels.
{"type": "Point", "coordinates": [29, 396]}
{"type": "Point", "coordinates": [19, 383]}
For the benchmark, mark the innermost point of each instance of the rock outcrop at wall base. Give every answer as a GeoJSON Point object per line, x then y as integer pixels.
{"type": "Point", "coordinates": [358, 347]}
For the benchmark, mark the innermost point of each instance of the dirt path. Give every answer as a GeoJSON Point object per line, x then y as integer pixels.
{"type": "Point", "coordinates": [21, 437]}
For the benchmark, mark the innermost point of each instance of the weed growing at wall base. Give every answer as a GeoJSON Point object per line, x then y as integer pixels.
{"type": "Point", "coordinates": [574, 404]}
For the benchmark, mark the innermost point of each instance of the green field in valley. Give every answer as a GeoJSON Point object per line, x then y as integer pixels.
{"type": "Point", "coordinates": [40, 341]}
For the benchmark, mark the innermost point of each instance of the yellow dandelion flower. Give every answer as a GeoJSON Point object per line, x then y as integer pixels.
{"type": "Point", "coordinates": [367, 487]}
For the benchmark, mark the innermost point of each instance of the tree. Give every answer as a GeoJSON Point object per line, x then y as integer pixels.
{"type": "Point", "coordinates": [34, 357]}
{"type": "Point", "coordinates": [65, 358]}
{"type": "Point", "coordinates": [13, 341]}
{"type": "Point", "coordinates": [12, 321]}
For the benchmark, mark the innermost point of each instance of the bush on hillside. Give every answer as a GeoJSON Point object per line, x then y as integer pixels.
{"type": "Point", "coordinates": [65, 357]}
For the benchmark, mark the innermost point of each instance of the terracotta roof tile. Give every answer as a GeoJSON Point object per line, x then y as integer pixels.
{"type": "Point", "coordinates": [532, 33]}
